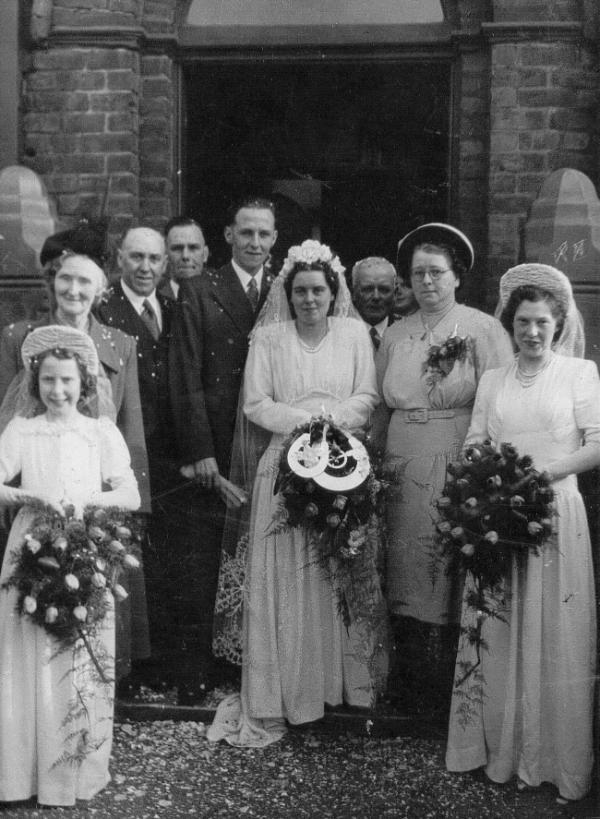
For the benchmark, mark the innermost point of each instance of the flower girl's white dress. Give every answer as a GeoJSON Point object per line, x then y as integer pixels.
{"type": "Point", "coordinates": [37, 680]}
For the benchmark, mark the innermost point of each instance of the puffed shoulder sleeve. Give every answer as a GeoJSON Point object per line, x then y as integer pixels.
{"type": "Point", "coordinates": [493, 347]}
{"type": "Point", "coordinates": [479, 426]}
{"type": "Point", "coordinates": [356, 410]}
{"type": "Point", "coordinates": [116, 469]}
{"type": "Point", "coordinates": [260, 406]}
{"type": "Point", "coordinates": [10, 450]}
{"type": "Point", "coordinates": [382, 358]}
{"type": "Point", "coordinates": [586, 395]}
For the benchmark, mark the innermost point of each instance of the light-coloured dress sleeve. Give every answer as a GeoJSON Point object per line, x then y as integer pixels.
{"type": "Point", "coordinates": [259, 404]}
{"type": "Point", "coordinates": [493, 347]}
{"type": "Point", "coordinates": [382, 357]}
{"type": "Point", "coordinates": [116, 470]}
{"type": "Point", "coordinates": [10, 462]}
{"type": "Point", "coordinates": [586, 395]}
{"type": "Point", "coordinates": [478, 428]}
{"type": "Point", "coordinates": [351, 405]}
{"type": "Point", "coordinates": [355, 411]}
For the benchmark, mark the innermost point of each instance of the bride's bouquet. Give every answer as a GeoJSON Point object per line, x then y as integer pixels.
{"type": "Point", "coordinates": [495, 507]}
{"type": "Point", "coordinates": [328, 487]}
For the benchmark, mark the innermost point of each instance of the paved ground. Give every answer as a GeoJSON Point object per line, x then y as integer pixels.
{"type": "Point", "coordinates": [345, 767]}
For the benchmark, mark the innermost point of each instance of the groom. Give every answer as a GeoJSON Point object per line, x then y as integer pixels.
{"type": "Point", "coordinates": [215, 314]}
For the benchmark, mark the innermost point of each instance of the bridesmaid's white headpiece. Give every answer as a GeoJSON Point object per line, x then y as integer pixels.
{"type": "Point", "coordinates": [55, 336]}
{"type": "Point", "coordinates": [542, 276]}
{"type": "Point", "coordinates": [553, 281]}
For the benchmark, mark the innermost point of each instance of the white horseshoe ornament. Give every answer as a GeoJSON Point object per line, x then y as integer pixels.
{"type": "Point", "coordinates": [325, 467]}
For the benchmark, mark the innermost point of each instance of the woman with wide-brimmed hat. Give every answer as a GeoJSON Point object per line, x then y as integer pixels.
{"type": "Point", "coordinates": [429, 365]}
{"type": "Point", "coordinates": [531, 703]}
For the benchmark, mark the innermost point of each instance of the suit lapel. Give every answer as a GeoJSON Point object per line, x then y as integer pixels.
{"type": "Point", "coordinates": [166, 307]}
{"type": "Point", "coordinates": [108, 354]}
{"type": "Point", "coordinates": [126, 317]}
{"type": "Point", "coordinates": [265, 286]}
{"type": "Point", "coordinates": [229, 293]}
{"type": "Point", "coordinates": [125, 313]}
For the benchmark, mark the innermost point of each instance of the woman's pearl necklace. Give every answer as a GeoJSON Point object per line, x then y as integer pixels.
{"type": "Point", "coordinates": [526, 379]}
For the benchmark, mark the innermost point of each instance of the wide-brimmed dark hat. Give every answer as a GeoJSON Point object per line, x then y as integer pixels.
{"type": "Point", "coordinates": [86, 238]}
{"type": "Point", "coordinates": [434, 233]}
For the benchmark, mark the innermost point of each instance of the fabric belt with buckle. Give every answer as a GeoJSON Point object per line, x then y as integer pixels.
{"type": "Point", "coordinates": [423, 415]}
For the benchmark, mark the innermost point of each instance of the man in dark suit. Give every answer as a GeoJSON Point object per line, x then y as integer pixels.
{"type": "Point", "coordinates": [187, 253]}
{"type": "Point", "coordinates": [215, 314]}
{"type": "Point", "coordinates": [135, 307]}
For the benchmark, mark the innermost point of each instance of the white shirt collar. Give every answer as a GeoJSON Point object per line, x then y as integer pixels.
{"type": "Point", "coordinates": [137, 302]}
{"type": "Point", "coordinates": [245, 277]}
{"type": "Point", "coordinates": [381, 327]}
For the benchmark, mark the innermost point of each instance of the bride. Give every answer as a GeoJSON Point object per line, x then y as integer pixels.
{"type": "Point", "coordinates": [309, 355]}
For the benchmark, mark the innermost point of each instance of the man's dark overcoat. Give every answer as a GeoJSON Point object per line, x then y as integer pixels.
{"type": "Point", "coordinates": [209, 349]}
{"type": "Point", "coordinates": [209, 346]}
{"type": "Point", "coordinates": [152, 364]}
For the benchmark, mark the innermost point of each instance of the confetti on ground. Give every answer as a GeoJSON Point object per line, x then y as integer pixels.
{"type": "Point", "coordinates": [167, 770]}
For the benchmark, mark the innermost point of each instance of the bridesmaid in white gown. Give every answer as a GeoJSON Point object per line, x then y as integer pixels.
{"type": "Point", "coordinates": [535, 717]}
{"type": "Point", "coordinates": [63, 457]}
{"type": "Point", "coordinates": [297, 653]}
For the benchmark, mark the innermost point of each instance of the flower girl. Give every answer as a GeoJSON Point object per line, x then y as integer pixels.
{"type": "Point", "coordinates": [56, 714]}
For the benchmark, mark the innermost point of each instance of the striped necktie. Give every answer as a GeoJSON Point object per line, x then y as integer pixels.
{"type": "Point", "coordinates": [148, 316]}
{"type": "Point", "coordinates": [375, 337]}
{"type": "Point", "coordinates": [252, 293]}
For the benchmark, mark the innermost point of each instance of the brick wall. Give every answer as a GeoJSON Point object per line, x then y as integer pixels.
{"type": "Point", "coordinates": [472, 148]}
{"type": "Point", "coordinates": [158, 129]}
{"type": "Point", "coordinates": [87, 14]}
{"type": "Point", "coordinates": [544, 99]}
{"type": "Point", "coordinates": [100, 121]}
{"type": "Point", "coordinates": [100, 112]}
{"type": "Point", "coordinates": [81, 129]}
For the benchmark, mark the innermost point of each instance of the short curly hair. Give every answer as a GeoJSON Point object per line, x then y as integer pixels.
{"type": "Point", "coordinates": [331, 278]}
{"type": "Point", "coordinates": [457, 266]}
{"type": "Point", "coordinates": [88, 381]}
{"type": "Point", "coordinates": [529, 292]}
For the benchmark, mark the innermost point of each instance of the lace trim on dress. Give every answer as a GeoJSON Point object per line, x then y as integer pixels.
{"type": "Point", "coordinates": [46, 428]}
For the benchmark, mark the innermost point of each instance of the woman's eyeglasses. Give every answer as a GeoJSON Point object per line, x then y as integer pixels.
{"type": "Point", "coordinates": [435, 273]}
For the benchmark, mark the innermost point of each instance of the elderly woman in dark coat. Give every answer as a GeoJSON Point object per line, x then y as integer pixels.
{"type": "Point", "coordinates": [76, 283]}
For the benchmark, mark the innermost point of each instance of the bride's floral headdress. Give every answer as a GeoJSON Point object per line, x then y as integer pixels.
{"type": "Point", "coordinates": [276, 309]}
{"type": "Point", "coordinates": [311, 252]}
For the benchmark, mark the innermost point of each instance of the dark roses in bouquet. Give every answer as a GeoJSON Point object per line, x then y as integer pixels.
{"type": "Point", "coordinates": [495, 507]}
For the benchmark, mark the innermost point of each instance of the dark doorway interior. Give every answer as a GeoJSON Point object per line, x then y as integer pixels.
{"type": "Point", "coordinates": [353, 154]}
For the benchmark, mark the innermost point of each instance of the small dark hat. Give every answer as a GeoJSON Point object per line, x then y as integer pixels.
{"type": "Point", "coordinates": [86, 238]}
{"type": "Point", "coordinates": [434, 233]}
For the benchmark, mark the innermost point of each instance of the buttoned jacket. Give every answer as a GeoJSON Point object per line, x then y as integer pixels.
{"type": "Point", "coordinates": [209, 346]}
{"type": "Point", "coordinates": [152, 362]}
